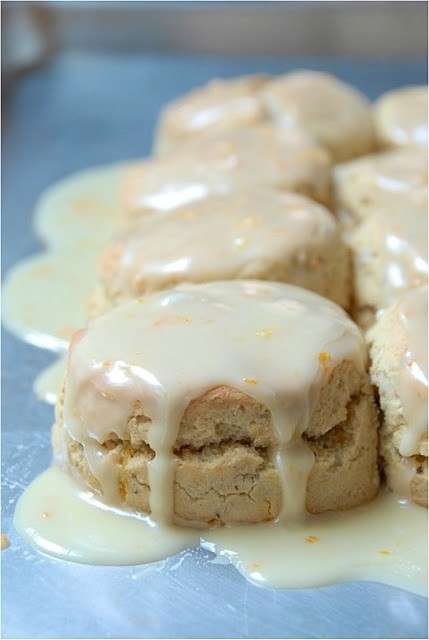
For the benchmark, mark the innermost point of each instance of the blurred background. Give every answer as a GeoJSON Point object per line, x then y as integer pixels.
{"type": "Point", "coordinates": [33, 31]}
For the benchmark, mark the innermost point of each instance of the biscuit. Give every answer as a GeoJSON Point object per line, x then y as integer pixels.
{"type": "Point", "coordinates": [221, 403]}
{"type": "Point", "coordinates": [257, 233]}
{"type": "Point", "coordinates": [236, 160]}
{"type": "Point", "coordinates": [364, 186]}
{"type": "Point", "coordinates": [399, 369]}
{"type": "Point", "coordinates": [389, 255]}
{"type": "Point", "coordinates": [335, 114]}
{"type": "Point", "coordinates": [401, 117]}
{"type": "Point", "coordinates": [214, 108]}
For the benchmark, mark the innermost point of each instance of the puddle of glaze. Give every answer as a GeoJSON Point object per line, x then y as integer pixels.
{"type": "Point", "coordinates": [48, 382]}
{"type": "Point", "coordinates": [83, 209]}
{"type": "Point", "coordinates": [57, 516]}
{"type": "Point", "coordinates": [385, 541]}
{"type": "Point", "coordinates": [45, 298]}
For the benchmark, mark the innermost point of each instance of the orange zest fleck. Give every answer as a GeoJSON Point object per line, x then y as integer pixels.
{"type": "Point", "coordinates": [264, 333]}
{"type": "Point", "coordinates": [312, 539]}
{"type": "Point", "coordinates": [324, 357]}
{"type": "Point", "coordinates": [250, 380]}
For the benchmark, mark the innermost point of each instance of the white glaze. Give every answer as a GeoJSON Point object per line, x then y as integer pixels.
{"type": "Point", "coordinates": [412, 315]}
{"type": "Point", "coordinates": [75, 217]}
{"type": "Point", "coordinates": [231, 160]}
{"type": "Point", "coordinates": [243, 234]}
{"type": "Point", "coordinates": [401, 116]}
{"type": "Point", "coordinates": [385, 541]}
{"type": "Point", "coordinates": [219, 105]}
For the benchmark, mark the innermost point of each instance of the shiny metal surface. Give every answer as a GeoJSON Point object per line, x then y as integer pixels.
{"type": "Point", "coordinates": [76, 112]}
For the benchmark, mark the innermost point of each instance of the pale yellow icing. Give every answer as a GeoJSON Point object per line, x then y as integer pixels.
{"type": "Point", "coordinates": [219, 105]}
{"type": "Point", "coordinates": [218, 164]}
{"type": "Point", "coordinates": [175, 346]}
{"type": "Point", "coordinates": [237, 235]}
{"type": "Point", "coordinates": [393, 243]}
{"type": "Point", "coordinates": [383, 541]}
{"type": "Point", "coordinates": [330, 110]}
{"type": "Point", "coordinates": [367, 185]}
{"type": "Point", "coordinates": [401, 116]}
{"type": "Point", "coordinates": [412, 315]}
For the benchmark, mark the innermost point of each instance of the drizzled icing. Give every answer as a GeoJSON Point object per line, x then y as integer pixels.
{"type": "Point", "coordinates": [217, 164]}
{"type": "Point", "coordinates": [264, 339]}
{"type": "Point", "coordinates": [220, 105]}
{"type": "Point", "coordinates": [238, 235]}
{"type": "Point", "coordinates": [401, 117]}
{"type": "Point", "coordinates": [412, 315]}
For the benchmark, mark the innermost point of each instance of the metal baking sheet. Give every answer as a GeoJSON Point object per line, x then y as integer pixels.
{"type": "Point", "coordinates": [81, 110]}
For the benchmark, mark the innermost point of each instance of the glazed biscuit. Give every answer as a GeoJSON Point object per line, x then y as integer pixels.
{"type": "Point", "coordinates": [214, 108]}
{"type": "Point", "coordinates": [401, 117]}
{"type": "Point", "coordinates": [220, 403]}
{"type": "Point", "coordinates": [335, 114]}
{"type": "Point", "coordinates": [257, 233]}
{"type": "Point", "coordinates": [399, 369]}
{"type": "Point", "coordinates": [236, 160]}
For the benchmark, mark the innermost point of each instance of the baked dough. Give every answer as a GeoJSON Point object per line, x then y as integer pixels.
{"type": "Point", "coordinates": [241, 159]}
{"type": "Point", "coordinates": [257, 233]}
{"type": "Point", "coordinates": [401, 117]}
{"type": "Point", "coordinates": [335, 114]}
{"type": "Point", "coordinates": [389, 255]}
{"type": "Point", "coordinates": [227, 402]}
{"type": "Point", "coordinates": [367, 185]}
{"type": "Point", "coordinates": [399, 369]}
{"type": "Point", "coordinates": [214, 108]}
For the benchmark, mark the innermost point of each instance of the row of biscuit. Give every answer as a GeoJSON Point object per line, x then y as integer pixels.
{"type": "Point", "coordinates": [241, 189]}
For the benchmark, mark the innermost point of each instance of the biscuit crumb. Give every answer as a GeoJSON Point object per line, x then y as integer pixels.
{"type": "Point", "coordinates": [312, 539]}
{"type": "Point", "coordinates": [5, 542]}
{"type": "Point", "coordinates": [250, 380]}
